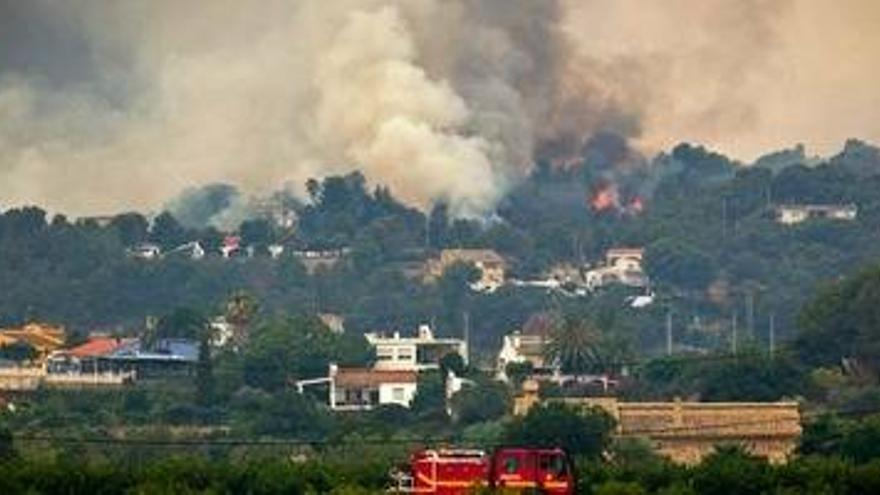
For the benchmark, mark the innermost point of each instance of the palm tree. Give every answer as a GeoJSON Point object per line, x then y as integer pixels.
{"type": "Point", "coordinates": [576, 346]}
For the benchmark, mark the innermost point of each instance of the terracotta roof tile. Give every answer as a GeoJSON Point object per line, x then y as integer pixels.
{"type": "Point", "coordinates": [97, 346]}
{"type": "Point", "coordinates": [363, 377]}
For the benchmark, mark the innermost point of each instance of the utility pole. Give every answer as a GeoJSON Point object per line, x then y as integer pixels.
{"type": "Point", "coordinates": [733, 333]}
{"type": "Point", "coordinates": [750, 312]}
{"type": "Point", "coordinates": [772, 339]}
{"type": "Point", "coordinates": [467, 336]}
{"type": "Point", "coordinates": [669, 332]}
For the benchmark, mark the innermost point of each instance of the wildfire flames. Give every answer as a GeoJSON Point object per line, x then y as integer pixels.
{"type": "Point", "coordinates": [606, 197]}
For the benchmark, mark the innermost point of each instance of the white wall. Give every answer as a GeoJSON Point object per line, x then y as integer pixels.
{"type": "Point", "coordinates": [397, 393]}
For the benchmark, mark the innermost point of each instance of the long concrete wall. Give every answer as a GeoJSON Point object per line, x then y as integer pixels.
{"type": "Point", "coordinates": [686, 432]}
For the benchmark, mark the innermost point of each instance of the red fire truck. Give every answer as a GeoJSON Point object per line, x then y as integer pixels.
{"type": "Point", "coordinates": [512, 469]}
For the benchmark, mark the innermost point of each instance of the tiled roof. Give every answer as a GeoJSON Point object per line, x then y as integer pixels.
{"type": "Point", "coordinates": [363, 377]}
{"type": "Point", "coordinates": [471, 255]}
{"type": "Point", "coordinates": [98, 346]}
{"type": "Point", "coordinates": [37, 335]}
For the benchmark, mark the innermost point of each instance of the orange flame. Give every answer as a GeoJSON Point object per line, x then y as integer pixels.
{"type": "Point", "coordinates": [604, 198]}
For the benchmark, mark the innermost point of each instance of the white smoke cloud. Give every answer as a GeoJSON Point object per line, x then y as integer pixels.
{"type": "Point", "coordinates": [108, 106]}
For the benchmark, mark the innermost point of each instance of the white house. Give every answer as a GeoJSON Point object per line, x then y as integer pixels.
{"type": "Point", "coordinates": [491, 265]}
{"type": "Point", "coordinates": [192, 250]}
{"type": "Point", "coordinates": [798, 213]}
{"type": "Point", "coordinates": [622, 266]}
{"type": "Point", "coordinates": [421, 352]}
{"type": "Point", "coordinates": [146, 251]}
{"type": "Point", "coordinates": [222, 332]}
{"type": "Point", "coordinates": [362, 389]}
{"type": "Point", "coordinates": [521, 348]}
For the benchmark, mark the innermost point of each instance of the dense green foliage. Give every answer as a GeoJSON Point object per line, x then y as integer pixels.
{"type": "Point", "coordinates": [715, 254]}
{"type": "Point", "coordinates": [713, 250]}
{"type": "Point", "coordinates": [844, 322]}
{"type": "Point", "coordinates": [581, 433]}
{"type": "Point", "coordinates": [729, 471]}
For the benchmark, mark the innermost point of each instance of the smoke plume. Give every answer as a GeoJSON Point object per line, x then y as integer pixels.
{"type": "Point", "coordinates": [106, 106]}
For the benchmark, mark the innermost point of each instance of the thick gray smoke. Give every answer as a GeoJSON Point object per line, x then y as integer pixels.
{"type": "Point", "coordinates": [111, 105]}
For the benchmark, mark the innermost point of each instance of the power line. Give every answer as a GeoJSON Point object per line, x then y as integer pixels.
{"type": "Point", "coordinates": [413, 440]}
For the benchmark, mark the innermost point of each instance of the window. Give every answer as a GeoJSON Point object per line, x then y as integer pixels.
{"type": "Point", "coordinates": [511, 465]}
{"type": "Point", "coordinates": [397, 394]}
{"type": "Point", "coordinates": [384, 354]}
{"type": "Point", "coordinates": [552, 464]}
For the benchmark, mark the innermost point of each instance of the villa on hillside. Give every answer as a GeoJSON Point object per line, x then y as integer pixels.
{"type": "Point", "coordinates": [416, 353]}
{"type": "Point", "coordinates": [314, 260]}
{"type": "Point", "coordinates": [621, 266]}
{"type": "Point", "coordinates": [792, 214]}
{"type": "Point", "coordinates": [491, 265]}
{"type": "Point", "coordinates": [365, 388]}
{"type": "Point", "coordinates": [393, 377]}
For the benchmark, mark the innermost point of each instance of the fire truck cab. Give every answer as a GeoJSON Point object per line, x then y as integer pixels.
{"type": "Point", "coordinates": [512, 469]}
{"type": "Point", "coordinates": [546, 471]}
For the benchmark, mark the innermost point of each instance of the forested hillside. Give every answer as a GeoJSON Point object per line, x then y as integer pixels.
{"type": "Point", "coordinates": [714, 250]}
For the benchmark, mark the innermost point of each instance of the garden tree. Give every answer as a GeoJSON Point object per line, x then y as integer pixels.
{"type": "Point", "coordinates": [701, 165]}
{"type": "Point", "coordinates": [824, 435]}
{"type": "Point", "coordinates": [384, 240]}
{"type": "Point", "coordinates": [285, 349]}
{"type": "Point", "coordinates": [210, 239]}
{"type": "Point", "coordinates": [438, 226]}
{"type": "Point", "coordinates": [452, 362]}
{"type": "Point", "coordinates": [167, 231]}
{"type": "Point", "coordinates": [518, 372]}
{"type": "Point", "coordinates": [843, 321]}
{"type": "Point", "coordinates": [615, 487]}
{"type": "Point", "coordinates": [751, 375]}
{"type": "Point", "coordinates": [677, 263]}
{"type": "Point", "coordinates": [861, 440]}
{"type": "Point", "coordinates": [487, 400]}
{"type": "Point", "coordinates": [732, 470]}
{"type": "Point", "coordinates": [463, 233]}
{"type": "Point", "coordinates": [7, 444]}
{"type": "Point", "coordinates": [131, 228]}
{"type": "Point", "coordinates": [256, 232]}
{"type": "Point", "coordinates": [341, 207]}
{"type": "Point", "coordinates": [429, 402]}
{"type": "Point", "coordinates": [504, 238]}
{"type": "Point", "coordinates": [26, 222]}
{"type": "Point", "coordinates": [204, 372]}
{"type": "Point", "coordinates": [582, 433]}
{"type": "Point", "coordinates": [455, 292]}
{"type": "Point", "coordinates": [182, 323]}
{"type": "Point", "coordinates": [285, 414]}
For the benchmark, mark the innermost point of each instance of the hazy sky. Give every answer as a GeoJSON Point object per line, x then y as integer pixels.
{"type": "Point", "coordinates": [108, 105]}
{"type": "Point", "coordinates": [746, 76]}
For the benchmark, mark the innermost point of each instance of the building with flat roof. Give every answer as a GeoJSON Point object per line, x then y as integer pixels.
{"type": "Point", "coordinates": [792, 214]}
{"type": "Point", "coordinates": [354, 389]}
{"type": "Point", "coordinates": [420, 352]}
{"type": "Point", "coordinates": [491, 265]}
